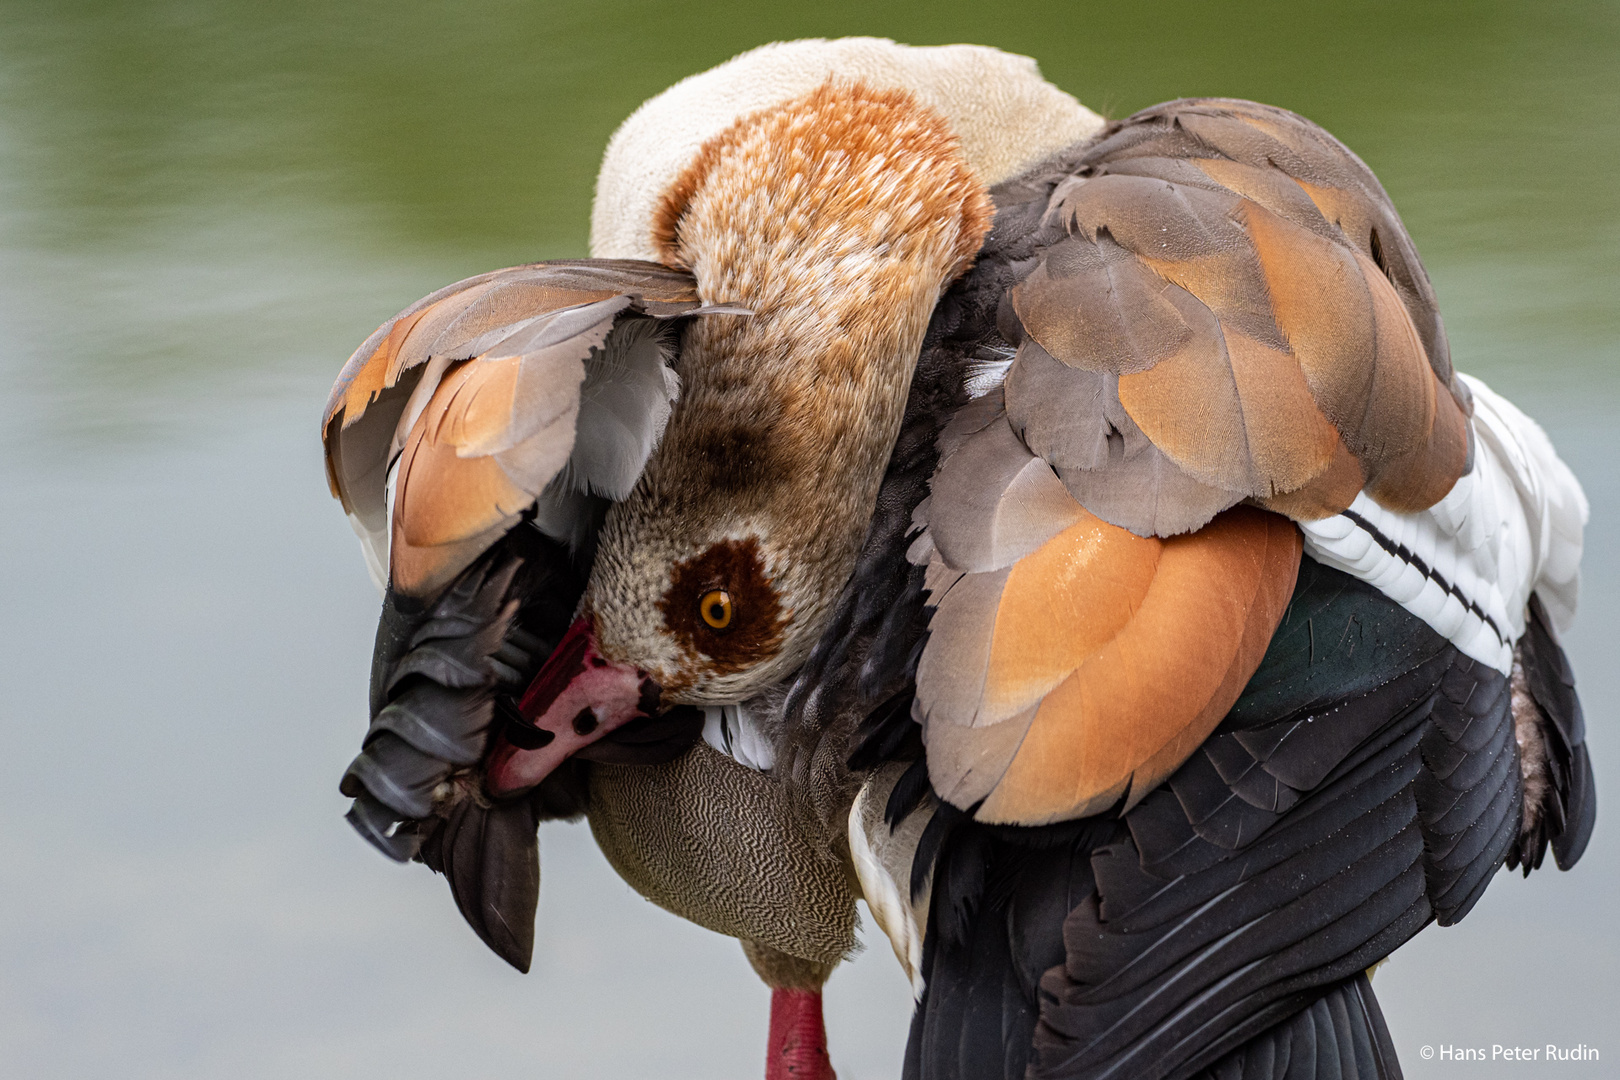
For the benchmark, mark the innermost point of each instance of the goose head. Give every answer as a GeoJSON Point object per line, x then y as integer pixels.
{"type": "Point", "coordinates": [837, 219]}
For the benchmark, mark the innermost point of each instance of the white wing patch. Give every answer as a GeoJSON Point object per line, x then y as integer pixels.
{"type": "Point", "coordinates": [983, 376]}
{"type": "Point", "coordinates": [735, 732]}
{"type": "Point", "coordinates": [886, 897]}
{"type": "Point", "coordinates": [1468, 564]}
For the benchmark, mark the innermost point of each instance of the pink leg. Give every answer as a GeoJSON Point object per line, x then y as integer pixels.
{"type": "Point", "coordinates": [798, 1042]}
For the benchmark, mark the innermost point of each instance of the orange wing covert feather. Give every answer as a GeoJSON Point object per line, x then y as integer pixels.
{"type": "Point", "coordinates": [1137, 703]}
{"type": "Point", "coordinates": [1110, 657]}
{"type": "Point", "coordinates": [474, 391]}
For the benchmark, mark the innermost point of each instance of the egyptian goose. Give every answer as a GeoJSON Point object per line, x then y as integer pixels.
{"type": "Point", "coordinates": [1071, 537]}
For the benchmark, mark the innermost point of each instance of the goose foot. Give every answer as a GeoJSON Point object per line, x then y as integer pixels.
{"type": "Point", "coordinates": [798, 1040]}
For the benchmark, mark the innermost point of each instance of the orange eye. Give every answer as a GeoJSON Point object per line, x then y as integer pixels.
{"type": "Point", "coordinates": [716, 609]}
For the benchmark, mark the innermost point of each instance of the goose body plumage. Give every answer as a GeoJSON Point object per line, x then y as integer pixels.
{"type": "Point", "coordinates": [1073, 538]}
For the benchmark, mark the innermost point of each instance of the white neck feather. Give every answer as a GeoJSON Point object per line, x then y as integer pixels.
{"type": "Point", "coordinates": [1006, 116]}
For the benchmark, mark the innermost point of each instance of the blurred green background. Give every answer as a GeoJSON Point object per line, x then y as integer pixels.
{"type": "Point", "coordinates": [157, 155]}
{"type": "Point", "coordinates": [204, 206]}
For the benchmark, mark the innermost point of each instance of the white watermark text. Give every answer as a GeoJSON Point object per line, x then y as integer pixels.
{"type": "Point", "coordinates": [1550, 1052]}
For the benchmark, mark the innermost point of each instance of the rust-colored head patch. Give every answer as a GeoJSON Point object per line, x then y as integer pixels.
{"type": "Point", "coordinates": [753, 630]}
{"type": "Point", "coordinates": [845, 168]}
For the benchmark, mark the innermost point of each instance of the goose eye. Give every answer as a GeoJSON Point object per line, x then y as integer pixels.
{"type": "Point", "coordinates": [715, 607]}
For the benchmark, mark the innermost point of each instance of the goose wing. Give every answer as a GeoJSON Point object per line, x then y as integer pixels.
{"type": "Point", "coordinates": [1190, 781]}
{"type": "Point", "coordinates": [1365, 783]}
{"type": "Point", "coordinates": [1220, 325]}
{"type": "Point", "coordinates": [538, 391]}
{"type": "Point", "coordinates": [455, 417]}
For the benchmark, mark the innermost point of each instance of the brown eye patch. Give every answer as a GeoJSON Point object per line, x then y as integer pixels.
{"type": "Point", "coordinates": [753, 629]}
